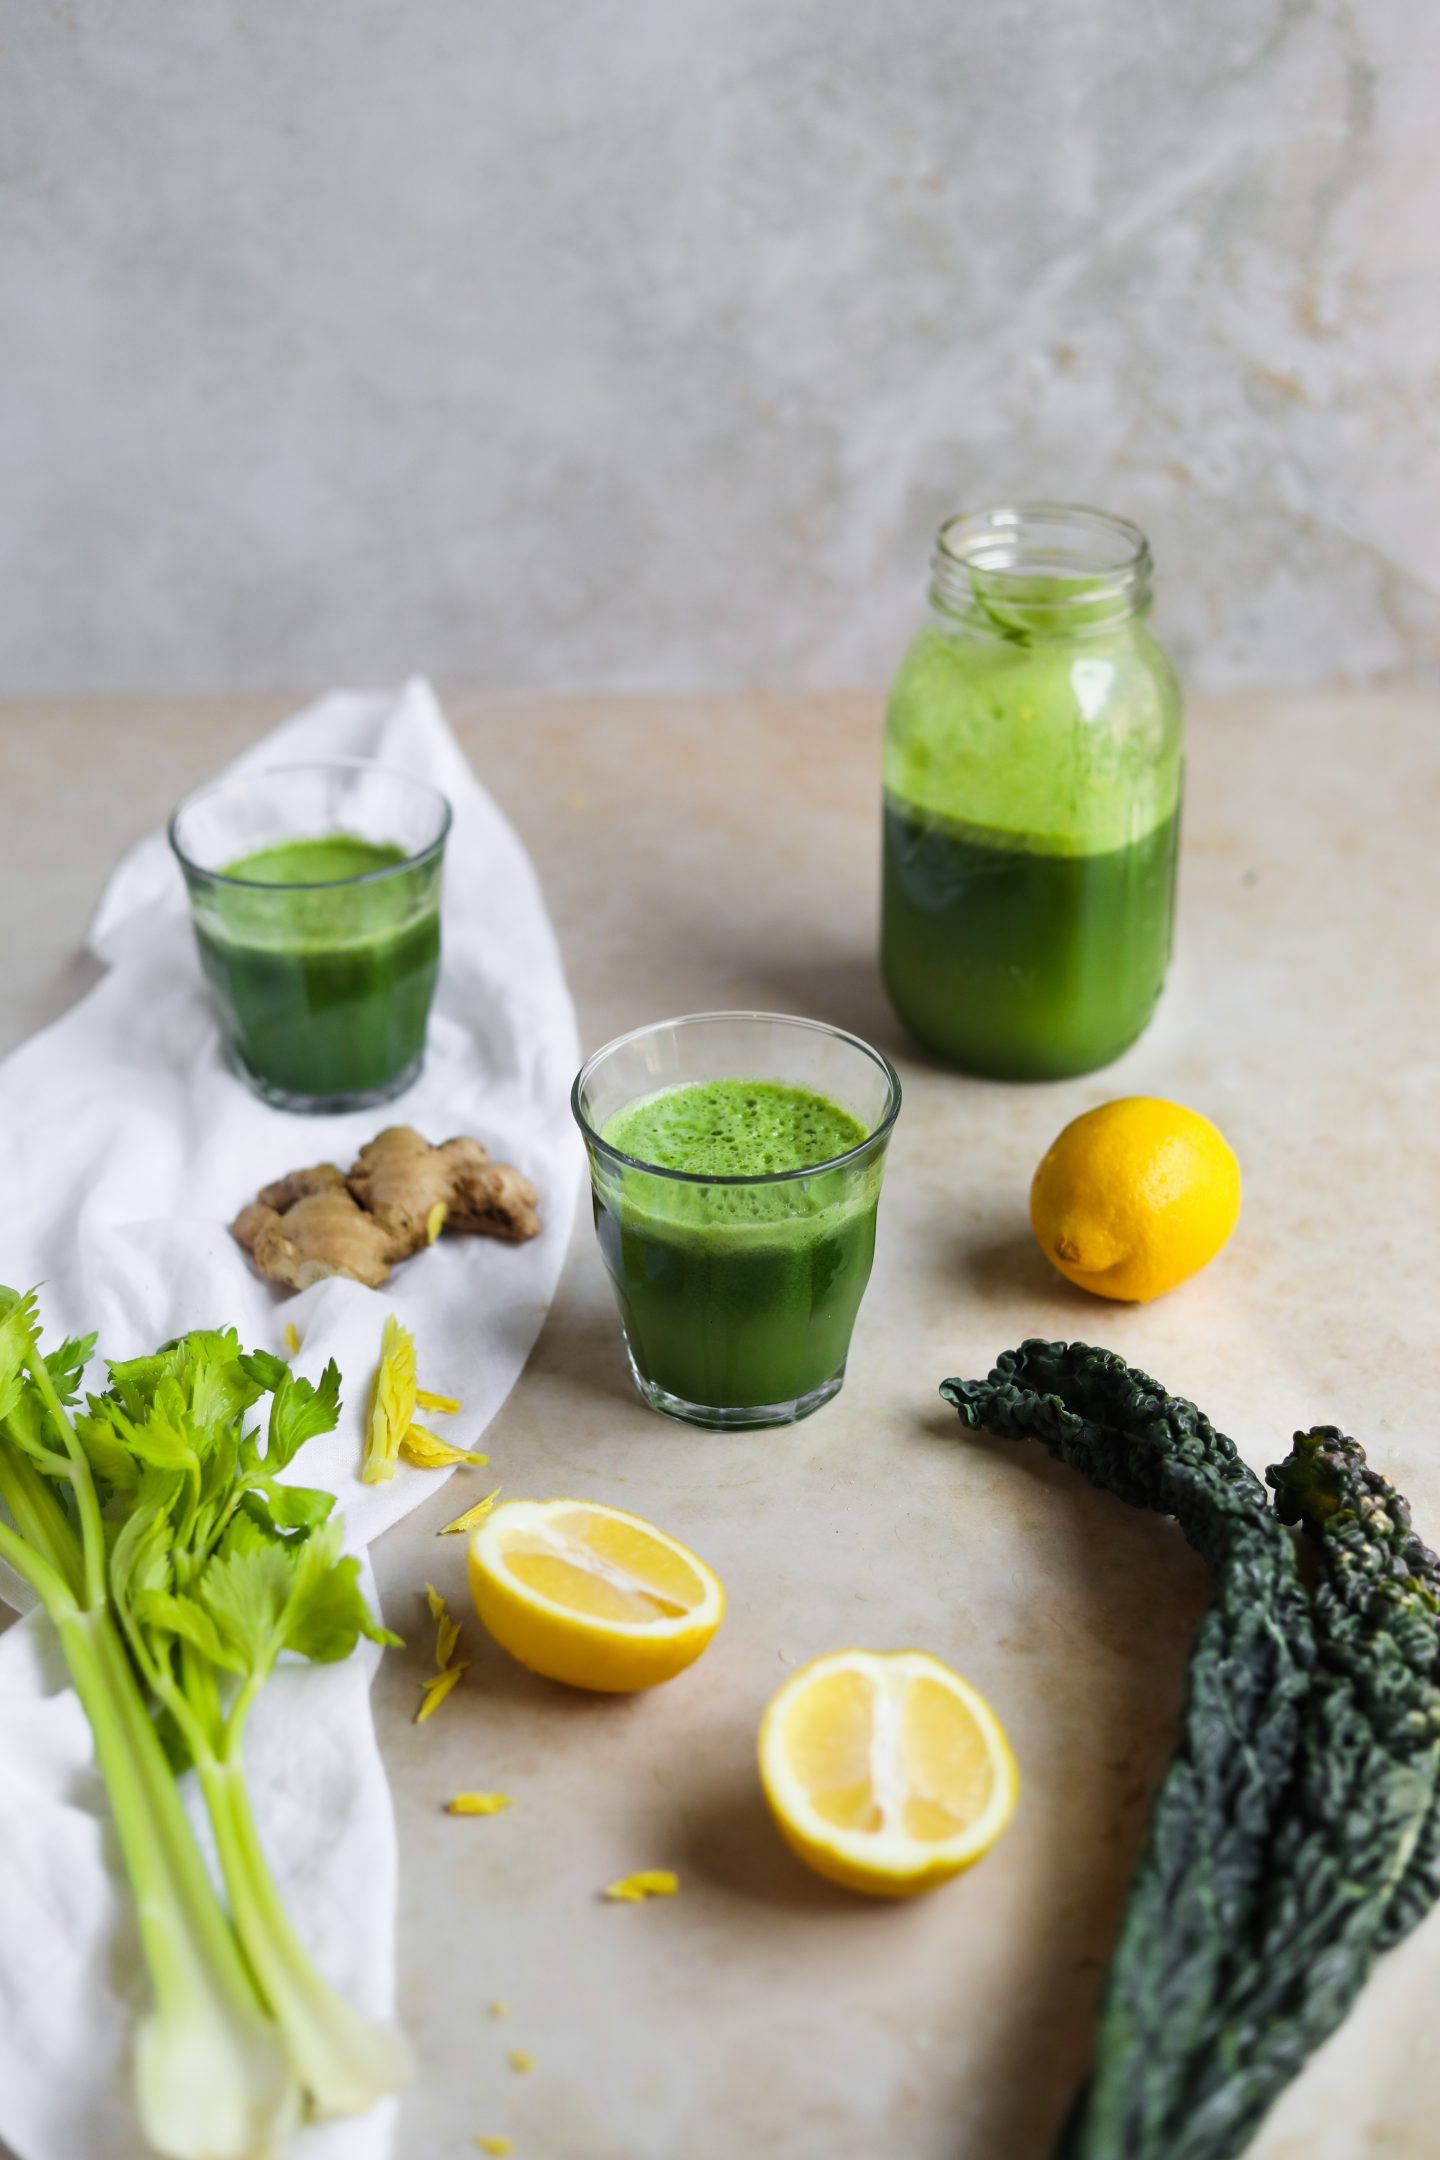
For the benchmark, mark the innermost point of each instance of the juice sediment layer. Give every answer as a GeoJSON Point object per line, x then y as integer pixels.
{"type": "Point", "coordinates": [737, 1296]}
{"type": "Point", "coordinates": [325, 985]}
{"type": "Point", "coordinates": [1018, 963]}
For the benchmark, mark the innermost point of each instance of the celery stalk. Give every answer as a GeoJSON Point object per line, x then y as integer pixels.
{"type": "Point", "coordinates": [212, 2081]}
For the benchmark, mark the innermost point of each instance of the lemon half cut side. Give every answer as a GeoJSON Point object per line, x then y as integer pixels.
{"type": "Point", "coordinates": [592, 1595]}
{"type": "Point", "coordinates": [886, 1771]}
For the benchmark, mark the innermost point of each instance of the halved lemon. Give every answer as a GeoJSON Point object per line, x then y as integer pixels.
{"type": "Point", "coordinates": [591, 1595]}
{"type": "Point", "coordinates": [885, 1770]}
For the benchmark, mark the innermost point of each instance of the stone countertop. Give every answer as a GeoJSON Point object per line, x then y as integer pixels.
{"type": "Point", "coordinates": [714, 852]}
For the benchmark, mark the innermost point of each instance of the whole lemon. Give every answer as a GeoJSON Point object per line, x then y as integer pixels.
{"type": "Point", "coordinates": [1135, 1197]}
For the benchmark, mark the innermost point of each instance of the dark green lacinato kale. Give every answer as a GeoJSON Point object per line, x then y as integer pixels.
{"type": "Point", "coordinates": [1353, 1861]}
{"type": "Point", "coordinates": [1200, 1877]}
{"type": "Point", "coordinates": [1339, 1851]}
{"type": "Point", "coordinates": [1378, 1616]}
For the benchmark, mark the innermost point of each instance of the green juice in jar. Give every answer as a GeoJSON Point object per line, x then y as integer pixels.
{"type": "Point", "coordinates": [1033, 774]}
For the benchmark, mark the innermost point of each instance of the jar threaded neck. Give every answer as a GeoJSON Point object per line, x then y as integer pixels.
{"type": "Point", "coordinates": [1027, 571]}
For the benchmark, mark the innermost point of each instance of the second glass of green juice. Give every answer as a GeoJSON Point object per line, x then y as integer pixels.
{"type": "Point", "coordinates": [315, 898]}
{"type": "Point", "coordinates": [735, 1164]}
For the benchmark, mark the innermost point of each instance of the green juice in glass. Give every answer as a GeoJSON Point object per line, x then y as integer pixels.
{"type": "Point", "coordinates": [737, 1295]}
{"type": "Point", "coordinates": [323, 959]}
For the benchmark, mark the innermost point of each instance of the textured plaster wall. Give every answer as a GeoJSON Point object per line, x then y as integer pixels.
{"type": "Point", "coordinates": [644, 344]}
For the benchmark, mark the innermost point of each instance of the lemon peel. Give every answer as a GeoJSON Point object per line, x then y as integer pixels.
{"type": "Point", "coordinates": [427, 1452]}
{"type": "Point", "coordinates": [292, 1338]}
{"type": "Point", "coordinates": [1134, 1197]}
{"type": "Point", "coordinates": [478, 1803]}
{"type": "Point", "coordinates": [519, 2060]}
{"type": "Point", "coordinates": [435, 1221]}
{"type": "Point", "coordinates": [471, 1516]}
{"type": "Point", "coordinates": [648, 1883]}
{"type": "Point", "coordinates": [498, 2145]}
{"type": "Point", "coordinates": [498, 2009]}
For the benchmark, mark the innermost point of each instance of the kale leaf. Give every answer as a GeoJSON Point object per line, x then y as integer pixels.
{"type": "Point", "coordinates": [1297, 1833]}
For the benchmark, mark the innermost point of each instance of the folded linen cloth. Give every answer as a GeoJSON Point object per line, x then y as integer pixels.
{"type": "Point", "coordinates": [126, 1147]}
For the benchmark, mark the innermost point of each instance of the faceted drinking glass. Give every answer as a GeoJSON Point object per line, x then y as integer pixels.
{"type": "Point", "coordinates": [323, 984]}
{"type": "Point", "coordinates": [738, 1294]}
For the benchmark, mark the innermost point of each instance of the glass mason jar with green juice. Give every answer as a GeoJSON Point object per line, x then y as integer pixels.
{"type": "Point", "coordinates": [1033, 772]}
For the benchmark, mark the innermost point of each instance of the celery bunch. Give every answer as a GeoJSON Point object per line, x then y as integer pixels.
{"type": "Point", "coordinates": [176, 1568]}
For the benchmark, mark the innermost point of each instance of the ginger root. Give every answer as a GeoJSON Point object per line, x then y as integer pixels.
{"type": "Point", "coordinates": [397, 1197]}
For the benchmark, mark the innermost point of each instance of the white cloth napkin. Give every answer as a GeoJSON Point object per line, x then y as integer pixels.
{"type": "Point", "coordinates": [126, 1147]}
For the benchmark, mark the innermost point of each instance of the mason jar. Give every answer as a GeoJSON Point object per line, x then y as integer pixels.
{"type": "Point", "coordinates": [1033, 773]}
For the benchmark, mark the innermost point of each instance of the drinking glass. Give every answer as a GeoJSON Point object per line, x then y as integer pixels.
{"type": "Point", "coordinates": [323, 983]}
{"type": "Point", "coordinates": [737, 1294]}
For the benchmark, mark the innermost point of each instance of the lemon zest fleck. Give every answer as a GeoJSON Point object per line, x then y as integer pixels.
{"type": "Point", "coordinates": [437, 1687]}
{"type": "Point", "coordinates": [430, 1401]}
{"type": "Point", "coordinates": [392, 1403]}
{"type": "Point", "coordinates": [499, 2009]}
{"type": "Point", "coordinates": [497, 2145]}
{"type": "Point", "coordinates": [519, 2060]}
{"type": "Point", "coordinates": [427, 1452]}
{"type": "Point", "coordinates": [634, 1889]}
{"type": "Point", "coordinates": [292, 1338]}
{"type": "Point", "coordinates": [471, 1516]}
{"type": "Point", "coordinates": [478, 1803]}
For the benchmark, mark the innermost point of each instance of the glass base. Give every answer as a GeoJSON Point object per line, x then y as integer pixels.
{"type": "Point", "coordinates": [749, 1418]}
{"type": "Point", "coordinates": [327, 1105]}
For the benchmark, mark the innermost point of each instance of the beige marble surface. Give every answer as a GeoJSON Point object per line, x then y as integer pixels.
{"type": "Point", "coordinates": [723, 852]}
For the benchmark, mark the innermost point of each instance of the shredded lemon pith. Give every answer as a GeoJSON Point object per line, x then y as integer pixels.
{"type": "Point", "coordinates": [437, 1687]}
{"type": "Point", "coordinates": [520, 2061]}
{"type": "Point", "coordinates": [292, 1338]}
{"type": "Point", "coordinates": [447, 1631]}
{"type": "Point", "coordinates": [446, 1675]}
{"type": "Point", "coordinates": [428, 1452]}
{"type": "Point", "coordinates": [499, 2009]}
{"type": "Point", "coordinates": [471, 1516]}
{"type": "Point", "coordinates": [650, 1882]}
{"type": "Point", "coordinates": [429, 1401]}
{"type": "Point", "coordinates": [495, 2144]}
{"type": "Point", "coordinates": [478, 1803]}
{"type": "Point", "coordinates": [392, 1403]}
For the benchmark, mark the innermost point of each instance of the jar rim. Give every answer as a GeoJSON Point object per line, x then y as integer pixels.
{"type": "Point", "coordinates": [1030, 569]}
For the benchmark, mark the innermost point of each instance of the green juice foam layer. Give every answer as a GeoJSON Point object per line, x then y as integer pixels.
{"type": "Point", "coordinates": [735, 1128]}
{"type": "Point", "coordinates": [322, 861]}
